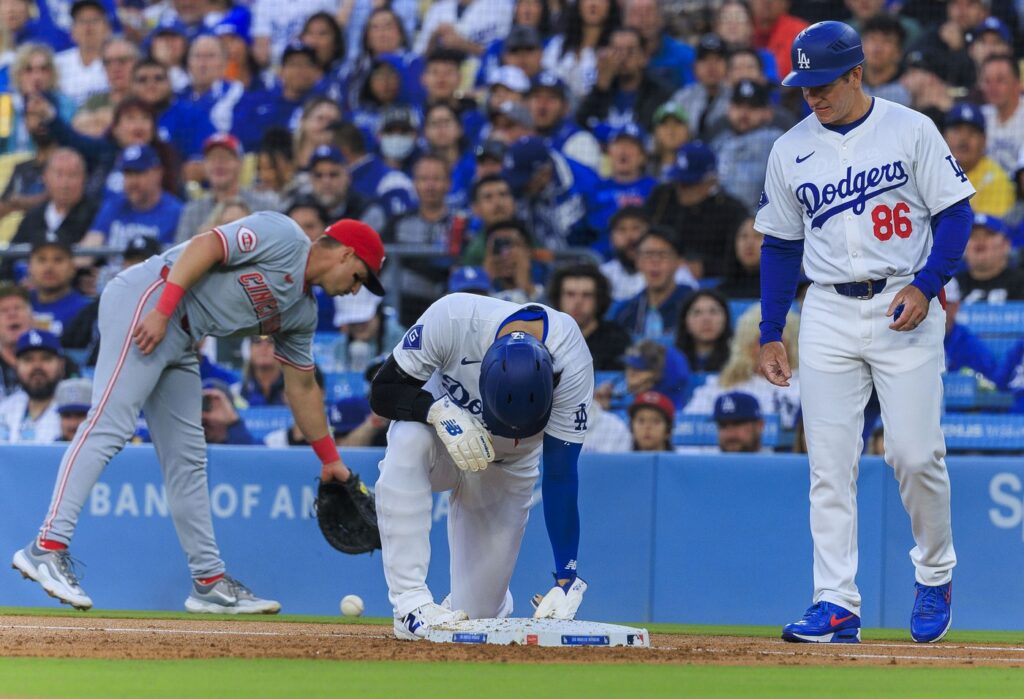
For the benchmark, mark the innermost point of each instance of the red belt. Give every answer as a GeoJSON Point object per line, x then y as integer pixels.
{"type": "Point", "coordinates": [164, 271]}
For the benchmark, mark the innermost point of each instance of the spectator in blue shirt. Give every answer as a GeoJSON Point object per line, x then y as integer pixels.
{"type": "Point", "coordinates": [142, 209]}
{"type": "Point", "coordinates": [20, 27]}
{"type": "Point", "coordinates": [531, 20]}
{"type": "Point", "coordinates": [654, 312]}
{"type": "Point", "coordinates": [210, 100]}
{"type": "Point", "coordinates": [372, 178]}
{"type": "Point", "coordinates": [549, 104]}
{"type": "Point", "coordinates": [381, 91]}
{"type": "Point", "coordinates": [281, 105]}
{"type": "Point", "coordinates": [628, 185]}
{"type": "Point", "coordinates": [385, 34]}
{"type": "Point", "coordinates": [441, 78]}
{"type": "Point", "coordinates": [50, 273]}
{"type": "Point", "coordinates": [670, 60]}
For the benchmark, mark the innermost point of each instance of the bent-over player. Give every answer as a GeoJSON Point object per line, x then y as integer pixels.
{"type": "Point", "coordinates": [478, 390]}
{"type": "Point", "coordinates": [249, 277]}
{"type": "Point", "coordinates": [867, 194]}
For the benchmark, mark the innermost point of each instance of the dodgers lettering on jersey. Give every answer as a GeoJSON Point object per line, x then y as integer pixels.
{"type": "Point", "coordinates": [862, 201]}
{"type": "Point", "coordinates": [259, 289]}
{"type": "Point", "coordinates": [447, 344]}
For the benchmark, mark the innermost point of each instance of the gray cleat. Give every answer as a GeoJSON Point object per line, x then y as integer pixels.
{"type": "Point", "coordinates": [54, 571]}
{"type": "Point", "coordinates": [227, 596]}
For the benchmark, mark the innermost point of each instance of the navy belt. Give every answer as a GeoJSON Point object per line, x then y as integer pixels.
{"type": "Point", "coordinates": [861, 290]}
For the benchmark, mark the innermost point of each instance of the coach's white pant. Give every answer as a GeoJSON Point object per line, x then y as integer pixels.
{"type": "Point", "coordinates": [845, 346]}
{"type": "Point", "coordinates": [487, 517]}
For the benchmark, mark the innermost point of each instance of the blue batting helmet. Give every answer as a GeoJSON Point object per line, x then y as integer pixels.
{"type": "Point", "coordinates": [823, 52]}
{"type": "Point", "coordinates": [516, 386]}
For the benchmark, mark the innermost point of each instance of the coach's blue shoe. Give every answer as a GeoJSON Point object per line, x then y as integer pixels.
{"type": "Point", "coordinates": [824, 622]}
{"type": "Point", "coordinates": [933, 612]}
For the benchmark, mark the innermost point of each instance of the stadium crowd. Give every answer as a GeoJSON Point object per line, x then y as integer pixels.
{"type": "Point", "coordinates": [605, 157]}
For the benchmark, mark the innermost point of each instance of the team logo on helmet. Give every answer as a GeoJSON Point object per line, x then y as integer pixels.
{"type": "Point", "coordinates": [802, 61]}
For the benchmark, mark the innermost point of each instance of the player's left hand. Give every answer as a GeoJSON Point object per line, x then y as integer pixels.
{"type": "Point", "coordinates": [150, 331]}
{"type": "Point", "coordinates": [561, 602]}
{"type": "Point", "coordinates": [915, 309]}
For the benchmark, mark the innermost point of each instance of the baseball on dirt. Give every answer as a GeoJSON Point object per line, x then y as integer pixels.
{"type": "Point", "coordinates": [352, 605]}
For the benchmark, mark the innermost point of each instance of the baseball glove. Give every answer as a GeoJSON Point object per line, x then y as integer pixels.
{"type": "Point", "coordinates": [347, 515]}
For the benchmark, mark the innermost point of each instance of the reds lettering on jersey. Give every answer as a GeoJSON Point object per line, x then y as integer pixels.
{"type": "Point", "coordinates": [861, 201]}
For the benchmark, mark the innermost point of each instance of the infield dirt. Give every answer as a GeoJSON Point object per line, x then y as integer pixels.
{"type": "Point", "coordinates": [96, 637]}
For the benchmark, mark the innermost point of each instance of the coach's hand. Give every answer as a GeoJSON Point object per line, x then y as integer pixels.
{"type": "Point", "coordinates": [774, 363]}
{"type": "Point", "coordinates": [465, 437]}
{"type": "Point", "coordinates": [915, 308]}
{"type": "Point", "coordinates": [150, 331]}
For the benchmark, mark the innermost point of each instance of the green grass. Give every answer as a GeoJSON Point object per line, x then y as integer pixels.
{"type": "Point", "coordinates": [109, 679]}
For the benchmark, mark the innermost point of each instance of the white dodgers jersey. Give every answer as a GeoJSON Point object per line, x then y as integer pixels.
{"type": "Point", "coordinates": [447, 344]}
{"type": "Point", "coordinates": [862, 201]}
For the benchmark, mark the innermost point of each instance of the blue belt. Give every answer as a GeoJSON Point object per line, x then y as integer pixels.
{"type": "Point", "coordinates": [861, 290]}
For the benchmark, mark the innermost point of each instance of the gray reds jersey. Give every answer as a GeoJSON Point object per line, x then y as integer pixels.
{"type": "Point", "coordinates": [262, 277]}
{"type": "Point", "coordinates": [862, 203]}
{"type": "Point", "coordinates": [448, 342]}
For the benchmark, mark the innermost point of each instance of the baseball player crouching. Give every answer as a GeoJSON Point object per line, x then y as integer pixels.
{"type": "Point", "coordinates": [866, 193]}
{"type": "Point", "coordinates": [248, 277]}
{"type": "Point", "coordinates": [478, 390]}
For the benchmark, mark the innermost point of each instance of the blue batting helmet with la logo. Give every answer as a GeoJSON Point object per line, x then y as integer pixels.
{"type": "Point", "coordinates": [823, 52]}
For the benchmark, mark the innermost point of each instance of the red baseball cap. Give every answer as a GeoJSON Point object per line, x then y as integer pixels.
{"type": "Point", "coordinates": [223, 140]}
{"type": "Point", "coordinates": [367, 245]}
{"type": "Point", "coordinates": [658, 401]}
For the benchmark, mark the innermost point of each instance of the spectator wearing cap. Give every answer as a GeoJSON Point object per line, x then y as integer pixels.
{"type": "Point", "coordinates": [740, 423]}
{"type": "Point", "coordinates": [883, 38]}
{"type": "Point", "coordinates": [521, 49]}
{"type": "Point", "coordinates": [1003, 110]}
{"type": "Point", "coordinates": [51, 271]}
{"type": "Point", "coordinates": [506, 84]}
{"type": "Point", "coordinates": [143, 208]}
{"type": "Point", "coordinates": [989, 277]}
{"type": "Point", "coordinates": [628, 184]}
{"type": "Point", "coordinates": [73, 398]}
{"type": "Point", "coordinates": [698, 209]}
{"type": "Point", "coordinates": [167, 44]}
{"type": "Point", "coordinates": [742, 149]}
{"type": "Point", "coordinates": [29, 415]}
{"type": "Point", "coordinates": [508, 122]}
{"type": "Point", "coordinates": [625, 92]}
{"type": "Point", "coordinates": [949, 38]}
{"type": "Point", "coordinates": [399, 128]}
{"type": "Point", "coordinates": [222, 170]}
{"type": "Point", "coordinates": [466, 25]}
{"type": "Point", "coordinates": [775, 29]}
{"type": "Point", "coordinates": [432, 223]}
{"type": "Point", "coordinates": [469, 280]}
{"type": "Point", "coordinates": [654, 311]}
{"type": "Point", "coordinates": [671, 132]}
{"type": "Point", "coordinates": [965, 133]}
{"type": "Point", "coordinates": [991, 37]}
{"type": "Point", "coordinates": [367, 329]}
{"type": "Point", "coordinates": [330, 182]}
{"type": "Point", "coordinates": [281, 104]}
{"type": "Point", "coordinates": [583, 292]}
{"type": "Point", "coordinates": [372, 178]}
{"type": "Point", "coordinates": [66, 212]}
{"type": "Point", "coordinates": [651, 420]}
{"type": "Point", "coordinates": [572, 55]}
{"type": "Point", "coordinates": [553, 193]}
{"type": "Point", "coordinates": [489, 156]}
{"type": "Point", "coordinates": [221, 422]}
{"type": "Point", "coordinates": [15, 320]}
{"type": "Point", "coordinates": [81, 67]}
{"type": "Point", "coordinates": [670, 61]}
{"type": "Point", "coordinates": [490, 201]}
{"type": "Point", "coordinates": [515, 275]}
{"type": "Point", "coordinates": [706, 101]}
{"type": "Point", "coordinates": [654, 366]}
{"type": "Point", "coordinates": [550, 105]}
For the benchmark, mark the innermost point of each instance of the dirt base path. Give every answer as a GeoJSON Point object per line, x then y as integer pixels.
{"type": "Point", "coordinates": [94, 637]}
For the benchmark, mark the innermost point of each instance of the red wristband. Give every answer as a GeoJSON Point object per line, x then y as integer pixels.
{"type": "Point", "coordinates": [169, 298]}
{"type": "Point", "coordinates": [325, 449]}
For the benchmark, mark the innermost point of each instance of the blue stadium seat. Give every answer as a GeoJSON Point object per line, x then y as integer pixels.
{"type": "Point", "coordinates": [342, 384]}
{"type": "Point", "coordinates": [994, 319]}
{"type": "Point", "coordinates": [263, 420]}
{"type": "Point", "coordinates": [979, 432]}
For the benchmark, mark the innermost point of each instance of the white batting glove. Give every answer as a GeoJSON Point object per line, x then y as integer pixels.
{"type": "Point", "coordinates": [464, 436]}
{"type": "Point", "coordinates": [560, 602]}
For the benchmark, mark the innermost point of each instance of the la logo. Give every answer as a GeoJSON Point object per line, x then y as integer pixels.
{"type": "Point", "coordinates": [802, 61]}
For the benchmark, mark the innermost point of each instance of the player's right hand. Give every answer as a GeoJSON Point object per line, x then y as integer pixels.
{"type": "Point", "coordinates": [150, 331]}
{"type": "Point", "coordinates": [773, 363]}
{"type": "Point", "coordinates": [462, 434]}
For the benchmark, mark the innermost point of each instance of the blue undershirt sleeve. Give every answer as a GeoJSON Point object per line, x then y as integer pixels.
{"type": "Point", "coordinates": [560, 490]}
{"type": "Point", "coordinates": [951, 228]}
{"type": "Point", "coordinates": [780, 273]}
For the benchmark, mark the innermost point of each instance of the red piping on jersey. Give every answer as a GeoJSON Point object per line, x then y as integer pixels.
{"type": "Point", "coordinates": [223, 244]}
{"type": "Point", "coordinates": [293, 364]}
{"type": "Point", "coordinates": [92, 420]}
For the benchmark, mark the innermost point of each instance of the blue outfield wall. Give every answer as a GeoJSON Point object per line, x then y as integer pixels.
{"type": "Point", "coordinates": [696, 539]}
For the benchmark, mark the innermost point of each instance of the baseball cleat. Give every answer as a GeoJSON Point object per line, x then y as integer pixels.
{"type": "Point", "coordinates": [412, 626]}
{"type": "Point", "coordinates": [933, 612]}
{"type": "Point", "coordinates": [561, 601]}
{"type": "Point", "coordinates": [227, 596]}
{"type": "Point", "coordinates": [824, 622]}
{"type": "Point", "coordinates": [55, 573]}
